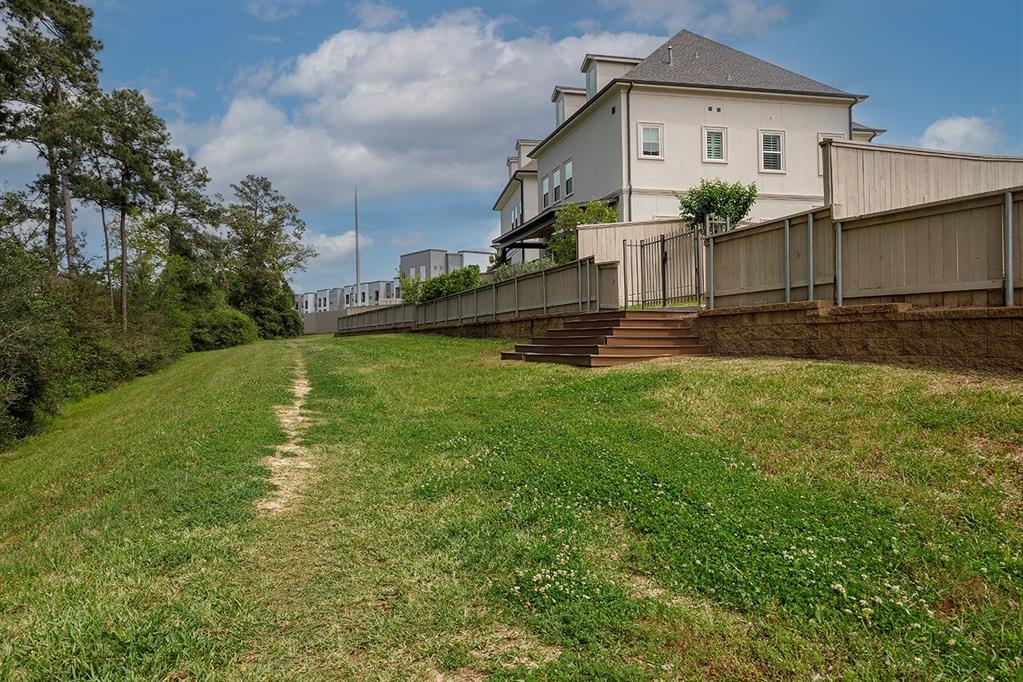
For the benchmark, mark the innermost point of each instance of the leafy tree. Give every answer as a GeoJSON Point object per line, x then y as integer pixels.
{"type": "Point", "coordinates": [563, 243]}
{"type": "Point", "coordinates": [265, 235]}
{"type": "Point", "coordinates": [717, 198]}
{"type": "Point", "coordinates": [47, 64]}
{"type": "Point", "coordinates": [133, 138]}
{"type": "Point", "coordinates": [451, 283]}
{"type": "Point", "coordinates": [411, 287]}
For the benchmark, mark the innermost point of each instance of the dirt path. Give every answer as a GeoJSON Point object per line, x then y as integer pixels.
{"type": "Point", "coordinates": [289, 465]}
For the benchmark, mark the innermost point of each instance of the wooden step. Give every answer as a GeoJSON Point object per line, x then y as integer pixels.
{"type": "Point", "coordinates": [595, 330]}
{"type": "Point", "coordinates": [680, 341]}
{"type": "Point", "coordinates": [558, 349]}
{"type": "Point", "coordinates": [650, 350]}
{"type": "Point", "coordinates": [570, 340]}
{"type": "Point", "coordinates": [578, 360]}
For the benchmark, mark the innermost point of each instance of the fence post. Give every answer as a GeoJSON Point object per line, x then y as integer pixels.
{"type": "Point", "coordinates": [642, 273]}
{"type": "Point", "coordinates": [516, 296]}
{"type": "Point", "coordinates": [625, 273]}
{"type": "Point", "coordinates": [664, 274]}
{"type": "Point", "coordinates": [543, 282]}
{"type": "Point", "coordinates": [589, 290]}
{"type": "Point", "coordinates": [597, 266]}
{"type": "Point", "coordinates": [697, 252]}
{"type": "Point", "coordinates": [785, 249]}
{"type": "Point", "coordinates": [579, 283]}
{"type": "Point", "coordinates": [476, 304]}
{"type": "Point", "coordinates": [459, 307]}
{"type": "Point", "coordinates": [711, 284]}
{"type": "Point", "coordinates": [809, 256]}
{"type": "Point", "coordinates": [493, 290]}
{"type": "Point", "coordinates": [1007, 252]}
{"type": "Point", "coordinates": [838, 263]}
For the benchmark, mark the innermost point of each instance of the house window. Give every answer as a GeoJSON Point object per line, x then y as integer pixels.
{"type": "Point", "coordinates": [772, 151]}
{"type": "Point", "coordinates": [348, 299]}
{"type": "Point", "coordinates": [591, 82]}
{"type": "Point", "coordinates": [546, 191]}
{"type": "Point", "coordinates": [715, 144]}
{"type": "Point", "coordinates": [557, 185]}
{"type": "Point", "coordinates": [820, 152]}
{"type": "Point", "coordinates": [569, 187]}
{"type": "Point", "coordinates": [651, 141]}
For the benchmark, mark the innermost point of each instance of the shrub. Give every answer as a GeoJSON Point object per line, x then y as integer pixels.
{"type": "Point", "coordinates": [512, 270]}
{"type": "Point", "coordinates": [411, 287]}
{"type": "Point", "coordinates": [451, 283]}
{"type": "Point", "coordinates": [222, 328]}
{"type": "Point", "coordinates": [563, 244]}
{"type": "Point", "coordinates": [719, 199]}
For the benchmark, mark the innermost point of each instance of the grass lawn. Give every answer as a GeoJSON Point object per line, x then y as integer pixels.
{"type": "Point", "coordinates": [463, 518]}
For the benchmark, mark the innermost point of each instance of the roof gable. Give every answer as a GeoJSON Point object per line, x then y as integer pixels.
{"type": "Point", "coordinates": [696, 60]}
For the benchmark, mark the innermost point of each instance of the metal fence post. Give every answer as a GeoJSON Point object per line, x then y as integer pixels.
{"type": "Point", "coordinates": [579, 282]}
{"type": "Point", "coordinates": [838, 263]}
{"type": "Point", "coordinates": [785, 250]}
{"type": "Point", "coordinates": [1007, 252]}
{"type": "Point", "coordinates": [809, 256]}
{"type": "Point", "coordinates": [543, 282]}
{"type": "Point", "coordinates": [664, 274]}
{"type": "Point", "coordinates": [625, 273]}
{"type": "Point", "coordinates": [711, 285]}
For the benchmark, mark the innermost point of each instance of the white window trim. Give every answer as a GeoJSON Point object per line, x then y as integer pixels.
{"type": "Point", "coordinates": [724, 144]}
{"type": "Point", "coordinates": [639, 141]}
{"type": "Point", "coordinates": [565, 177]}
{"type": "Point", "coordinates": [545, 197]}
{"type": "Point", "coordinates": [760, 151]}
{"type": "Point", "coordinates": [820, 152]}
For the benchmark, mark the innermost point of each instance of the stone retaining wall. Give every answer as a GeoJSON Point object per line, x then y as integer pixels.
{"type": "Point", "coordinates": [978, 338]}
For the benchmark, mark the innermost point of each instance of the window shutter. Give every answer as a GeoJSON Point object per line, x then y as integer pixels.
{"type": "Point", "coordinates": [715, 145]}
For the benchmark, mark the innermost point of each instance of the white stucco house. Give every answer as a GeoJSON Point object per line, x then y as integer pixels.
{"type": "Point", "coordinates": [645, 128]}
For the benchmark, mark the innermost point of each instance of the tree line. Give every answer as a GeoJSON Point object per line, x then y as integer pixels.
{"type": "Point", "coordinates": [181, 269]}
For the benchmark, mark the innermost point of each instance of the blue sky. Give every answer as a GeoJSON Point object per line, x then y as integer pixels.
{"type": "Point", "coordinates": [419, 103]}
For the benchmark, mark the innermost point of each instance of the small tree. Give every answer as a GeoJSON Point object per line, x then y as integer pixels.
{"type": "Point", "coordinates": [411, 287]}
{"type": "Point", "coordinates": [563, 244]}
{"type": "Point", "coordinates": [719, 199]}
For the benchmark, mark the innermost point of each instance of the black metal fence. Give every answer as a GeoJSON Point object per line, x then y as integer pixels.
{"type": "Point", "coordinates": [667, 269]}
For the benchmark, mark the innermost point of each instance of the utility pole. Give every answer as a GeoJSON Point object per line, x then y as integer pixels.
{"type": "Point", "coordinates": [358, 273]}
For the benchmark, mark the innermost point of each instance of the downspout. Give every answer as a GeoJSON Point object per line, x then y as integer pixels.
{"type": "Point", "coordinates": [522, 208]}
{"type": "Point", "coordinates": [628, 147]}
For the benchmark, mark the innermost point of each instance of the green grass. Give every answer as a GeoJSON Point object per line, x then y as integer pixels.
{"type": "Point", "coordinates": [686, 519]}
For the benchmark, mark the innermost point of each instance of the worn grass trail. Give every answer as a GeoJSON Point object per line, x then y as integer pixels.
{"type": "Point", "coordinates": [677, 520]}
{"type": "Point", "coordinates": [119, 524]}
{"type": "Point", "coordinates": [460, 518]}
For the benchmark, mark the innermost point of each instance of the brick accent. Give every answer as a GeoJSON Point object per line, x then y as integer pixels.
{"type": "Point", "coordinates": [976, 338]}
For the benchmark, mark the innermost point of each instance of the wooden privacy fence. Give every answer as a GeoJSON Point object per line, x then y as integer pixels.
{"type": "Point", "coordinates": [580, 286]}
{"type": "Point", "coordinates": [959, 252]}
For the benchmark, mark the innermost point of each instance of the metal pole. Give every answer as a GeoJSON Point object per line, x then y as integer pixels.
{"type": "Point", "coordinates": [785, 250]}
{"type": "Point", "coordinates": [838, 264]}
{"type": "Point", "coordinates": [711, 286]}
{"type": "Point", "coordinates": [664, 275]}
{"type": "Point", "coordinates": [642, 273]}
{"type": "Point", "coordinates": [809, 256]}
{"type": "Point", "coordinates": [1008, 252]}
{"type": "Point", "coordinates": [358, 271]}
{"type": "Point", "coordinates": [697, 251]}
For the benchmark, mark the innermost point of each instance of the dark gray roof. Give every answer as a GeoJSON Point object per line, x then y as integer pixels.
{"type": "Point", "coordinates": [861, 126]}
{"type": "Point", "coordinates": [702, 62]}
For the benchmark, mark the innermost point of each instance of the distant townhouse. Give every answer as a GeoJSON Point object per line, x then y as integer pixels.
{"type": "Point", "coordinates": [428, 263]}
{"type": "Point", "coordinates": [644, 129]}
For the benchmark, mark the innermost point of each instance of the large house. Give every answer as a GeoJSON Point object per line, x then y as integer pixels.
{"type": "Point", "coordinates": [644, 129]}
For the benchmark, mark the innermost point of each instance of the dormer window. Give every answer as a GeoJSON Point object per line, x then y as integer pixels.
{"type": "Point", "coordinates": [559, 111]}
{"type": "Point", "coordinates": [591, 82]}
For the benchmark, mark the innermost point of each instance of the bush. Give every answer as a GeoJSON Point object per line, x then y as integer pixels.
{"type": "Point", "coordinates": [563, 244]}
{"type": "Point", "coordinates": [717, 198]}
{"type": "Point", "coordinates": [451, 283]}
{"type": "Point", "coordinates": [268, 300]}
{"type": "Point", "coordinates": [222, 328]}
{"type": "Point", "coordinates": [513, 270]}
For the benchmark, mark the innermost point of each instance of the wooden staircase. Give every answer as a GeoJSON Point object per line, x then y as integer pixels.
{"type": "Point", "coordinates": [613, 338]}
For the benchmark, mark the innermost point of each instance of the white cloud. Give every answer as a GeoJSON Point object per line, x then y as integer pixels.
{"type": "Point", "coordinates": [715, 18]}
{"type": "Point", "coordinates": [436, 106]}
{"type": "Point", "coordinates": [274, 10]}
{"type": "Point", "coordinates": [403, 241]}
{"type": "Point", "coordinates": [963, 134]}
{"type": "Point", "coordinates": [377, 15]}
{"type": "Point", "coordinates": [335, 249]}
